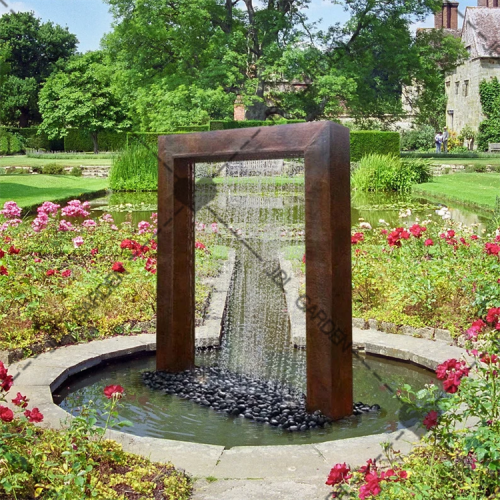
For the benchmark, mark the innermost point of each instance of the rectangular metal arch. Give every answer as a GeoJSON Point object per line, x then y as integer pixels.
{"type": "Point", "coordinates": [325, 148]}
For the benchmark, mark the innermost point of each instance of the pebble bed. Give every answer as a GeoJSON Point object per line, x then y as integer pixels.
{"type": "Point", "coordinates": [245, 397]}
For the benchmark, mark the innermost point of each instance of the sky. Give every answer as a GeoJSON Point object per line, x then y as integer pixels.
{"type": "Point", "coordinates": [89, 20]}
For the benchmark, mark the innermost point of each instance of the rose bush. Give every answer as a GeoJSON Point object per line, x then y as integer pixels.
{"type": "Point", "coordinates": [75, 462]}
{"type": "Point", "coordinates": [438, 274]}
{"type": "Point", "coordinates": [459, 456]}
{"type": "Point", "coordinates": [66, 275]}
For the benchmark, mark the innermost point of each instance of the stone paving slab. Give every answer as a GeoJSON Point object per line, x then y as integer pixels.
{"type": "Point", "coordinates": [198, 459]}
{"type": "Point", "coordinates": [256, 462]}
{"type": "Point", "coordinates": [272, 489]}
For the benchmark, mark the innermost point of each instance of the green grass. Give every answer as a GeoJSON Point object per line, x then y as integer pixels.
{"type": "Point", "coordinates": [476, 190]}
{"type": "Point", "coordinates": [71, 156]}
{"type": "Point", "coordinates": [24, 161]}
{"type": "Point", "coordinates": [29, 191]}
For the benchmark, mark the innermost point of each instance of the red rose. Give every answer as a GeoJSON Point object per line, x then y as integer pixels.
{"type": "Point", "coordinates": [94, 251]}
{"type": "Point", "coordinates": [428, 242]}
{"type": "Point", "coordinates": [2, 253]}
{"type": "Point", "coordinates": [473, 237]}
{"type": "Point", "coordinates": [51, 272]}
{"type": "Point", "coordinates": [7, 383]}
{"type": "Point", "coordinates": [20, 400]}
{"type": "Point", "coordinates": [417, 230]}
{"type": "Point", "coordinates": [13, 251]}
{"type": "Point", "coordinates": [357, 238]}
{"type": "Point", "coordinates": [34, 415]}
{"type": "Point", "coordinates": [6, 414]}
{"type": "Point", "coordinates": [304, 259]}
{"type": "Point", "coordinates": [66, 273]}
{"type": "Point", "coordinates": [200, 246]}
{"type": "Point", "coordinates": [128, 244]}
{"type": "Point", "coordinates": [431, 419]}
{"type": "Point", "coordinates": [113, 391]}
{"type": "Point", "coordinates": [3, 371]}
{"type": "Point", "coordinates": [3, 271]}
{"type": "Point", "coordinates": [339, 473]}
{"type": "Point", "coordinates": [118, 267]}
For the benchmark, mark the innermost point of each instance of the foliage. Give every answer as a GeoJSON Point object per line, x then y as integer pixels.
{"type": "Point", "coordinates": [10, 143]}
{"type": "Point", "coordinates": [135, 169]}
{"type": "Point", "coordinates": [81, 140]}
{"type": "Point", "coordinates": [489, 129]}
{"type": "Point", "coordinates": [389, 173]}
{"type": "Point", "coordinates": [374, 142]}
{"type": "Point", "coordinates": [420, 138]}
{"type": "Point", "coordinates": [76, 462]}
{"type": "Point", "coordinates": [64, 278]}
{"type": "Point", "coordinates": [35, 50]}
{"type": "Point", "coordinates": [459, 456]}
{"type": "Point", "coordinates": [81, 96]}
{"type": "Point", "coordinates": [53, 169]}
{"type": "Point", "coordinates": [76, 171]}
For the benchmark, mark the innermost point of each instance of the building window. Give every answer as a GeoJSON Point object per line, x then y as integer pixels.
{"type": "Point", "coordinates": [466, 88]}
{"type": "Point", "coordinates": [457, 87]}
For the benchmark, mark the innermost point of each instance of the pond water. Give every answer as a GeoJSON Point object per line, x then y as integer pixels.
{"type": "Point", "coordinates": [166, 416]}
{"type": "Point", "coordinates": [370, 207]}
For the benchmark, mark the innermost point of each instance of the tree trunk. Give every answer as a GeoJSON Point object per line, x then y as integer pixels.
{"type": "Point", "coordinates": [24, 118]}
{"type": "Point", "coordinates": [94, 141]}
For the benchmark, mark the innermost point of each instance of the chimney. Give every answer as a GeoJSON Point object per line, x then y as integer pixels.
{"type": "Point", "coordinates": [448, 17]}
{"type": "Point", "coordinates": [239, 109]}
{"type": "Point", "coordinates": [482, 3]}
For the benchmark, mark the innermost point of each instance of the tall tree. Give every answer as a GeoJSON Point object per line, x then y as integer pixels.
{"type": "Point", "coordinates": [36, 49]}
{"type": "Point", "coordinates": [81, 96]}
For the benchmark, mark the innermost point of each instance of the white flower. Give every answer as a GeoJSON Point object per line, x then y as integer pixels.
{"type": "Point", "coordinates": [365, 225]}
{"type": "Point", "coordinates": [383, 222]}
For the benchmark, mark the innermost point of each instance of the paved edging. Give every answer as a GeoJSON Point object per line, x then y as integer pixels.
{"type": "Point", "coordinates": [37, 377]}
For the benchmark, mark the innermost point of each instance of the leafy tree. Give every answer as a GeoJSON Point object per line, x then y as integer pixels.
{"type": "Point", "coordinates": [4, 64]}
{"type": "Point", "coordinates": [81, 96]}
{"type": "Point", "coordinates": [35, 50]}
{"type": "Point", "coordinates": [269, 53]}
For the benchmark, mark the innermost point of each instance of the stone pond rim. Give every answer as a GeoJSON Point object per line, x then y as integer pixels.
{"type": "Point", "coordinates": [37, 377]}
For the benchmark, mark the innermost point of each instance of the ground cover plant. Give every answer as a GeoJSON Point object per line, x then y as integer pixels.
{"type": "Point", "coordinates": [32, 190]}
{"type": "Point", "coordinates": [437, 273]}
{"type": "Point", "coordinates": [474, 189]}
{"type": "Point", "coordinates": [65, 277]}
{"type": "Point", "coordinates": [459, 457]}
{"type": "Point", "coordinates": [77, 462]}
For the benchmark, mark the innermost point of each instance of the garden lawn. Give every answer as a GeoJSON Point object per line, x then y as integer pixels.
{"type": "Point", "coordinates": [24, 161]}
{"type": "Point", "coordinates": [494, 162]}
{"type": "Point", "coordinates": [477, 189]}
{"type": "Point", "coordinates": [31, 190]}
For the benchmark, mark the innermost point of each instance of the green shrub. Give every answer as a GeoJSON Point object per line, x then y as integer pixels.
{"type": "Point", "coordinates": [369, 142]}
{"type": "Point", "coordinates": [232, 124]}
{"type": "Point", "coordinates": [4, 144]}
{"type": "Point", "coordinates": [480, 168]}
{"type": "Point", "coordinates": [80, 140]}
{"type": "Point", "coordinates": [2, 171]}
{"type": "Point", "coordinates": [53, 169]}
{"type": "Point", "coordinates": [135, 169]}
{"type": "Point", "coordinates": [389, 173]}
{"type": "Point", "coordinates": [419, 138]}
{"type": "Point", "coordinates": [76, 171]}
{"type": "Point", "coordinates": [37, 169]}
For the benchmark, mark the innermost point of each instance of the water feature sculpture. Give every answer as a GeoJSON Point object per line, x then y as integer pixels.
{"type": "Point", "coordinates": [325, 149]}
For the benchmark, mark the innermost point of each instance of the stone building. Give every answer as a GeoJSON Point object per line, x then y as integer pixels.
{"type": "Point", "coordinates": [481, 36]}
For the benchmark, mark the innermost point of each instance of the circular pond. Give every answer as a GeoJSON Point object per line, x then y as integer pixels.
{"type": "Point", "coordinates": [156, 414]}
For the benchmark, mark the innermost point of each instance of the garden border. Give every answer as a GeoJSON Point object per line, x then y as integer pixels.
{"type": "Point", "coordinates": [37, 377]}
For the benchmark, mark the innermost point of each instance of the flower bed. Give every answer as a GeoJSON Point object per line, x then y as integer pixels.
{"type": "Point", "coordinates": [76, 462]}
{"type": "Point", "coordinates": [436, 274]}
{"type": "Point", "coordinates": [67, 278]}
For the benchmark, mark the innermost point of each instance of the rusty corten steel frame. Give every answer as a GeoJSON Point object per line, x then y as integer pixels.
{"type": "Point", "coordinates": [325, 148]}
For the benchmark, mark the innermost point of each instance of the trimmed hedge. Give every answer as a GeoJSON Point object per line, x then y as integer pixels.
{"type": "Point", "coordinates": [79, 140]}
{"type": "Point", "coordinates": [232, 124]}
{"type": "Point", "coordinates": [29, 138]}
{"type": "Point", "coordinates": [10, 143]}
{"type": "Point", "coordinates": [366, 142]}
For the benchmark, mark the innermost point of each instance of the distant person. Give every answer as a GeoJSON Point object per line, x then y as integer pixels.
{"type": "Point", "coordinates": [446, 136]}
{"type": "Point", "coordinates": [439, 141]}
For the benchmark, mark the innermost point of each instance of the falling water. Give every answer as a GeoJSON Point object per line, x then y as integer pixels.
{"type": "Point", "coordinates": [261, 216]}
